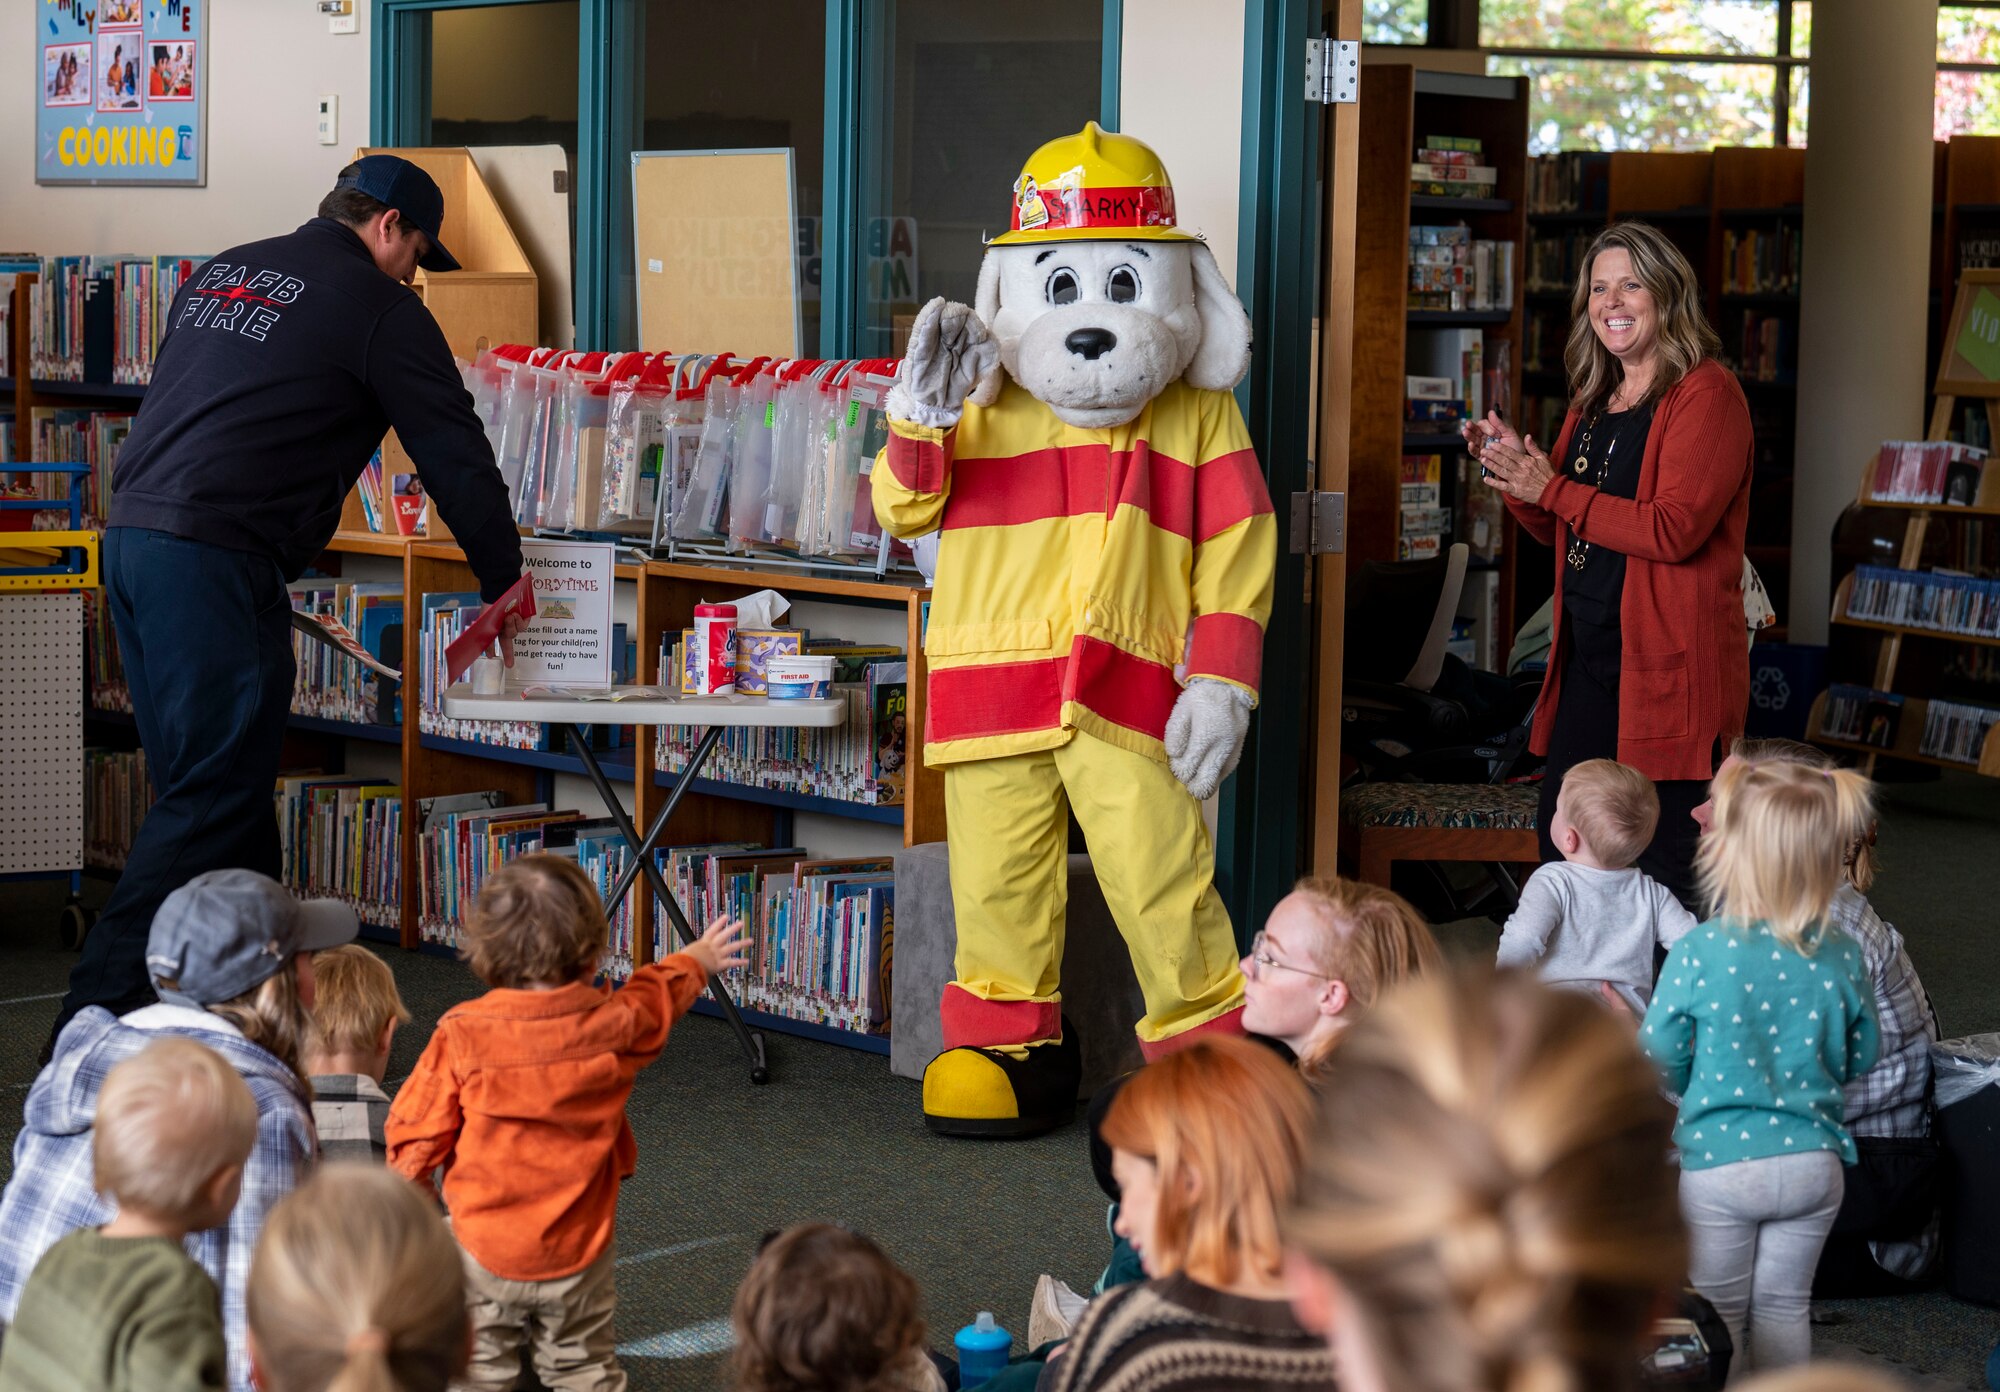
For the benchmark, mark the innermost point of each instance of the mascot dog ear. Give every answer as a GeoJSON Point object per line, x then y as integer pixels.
{"type": "Point", "coordinates": [986, 304]}
{"type": "Point", "coordinates": [1223, 356]}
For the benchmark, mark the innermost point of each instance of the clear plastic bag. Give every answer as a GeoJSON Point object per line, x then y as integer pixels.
{"type": "Point", "coordinates": [704, 513]}
{"type": "Point", "coordinates": [1962, 1067]}
{"type": "Point", "coordinates": [636, 408]}
{"type": "Point", "coordinates": [863, 432]}
{"type": "Point", "coordinates": [512, 414]}
{"type": "Point", "coordinates": [750, 466]}
{"type": "Point", "coordinates": [574, 376]}
{"type": "Point", "coordinates": [795, 404]}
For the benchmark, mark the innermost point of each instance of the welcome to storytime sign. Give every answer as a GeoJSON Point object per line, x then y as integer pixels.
{"type": "Point", "coordinates": [122, 92]}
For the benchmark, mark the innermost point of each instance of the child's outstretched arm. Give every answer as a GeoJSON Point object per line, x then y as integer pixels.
{"type": "Point", "coordinates": [660, 993]}
{"type": "Point", "coordinates": [424, 1121]}
{"type": "Point", "coordinates": [1525, 938]}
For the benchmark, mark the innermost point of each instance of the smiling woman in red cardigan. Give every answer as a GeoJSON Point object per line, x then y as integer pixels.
{"type": "Point", "coordinates": [1646, 513]}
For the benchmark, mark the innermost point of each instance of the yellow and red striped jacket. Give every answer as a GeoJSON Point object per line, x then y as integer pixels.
{"type": "Point", "coordinates": [1077, 567]}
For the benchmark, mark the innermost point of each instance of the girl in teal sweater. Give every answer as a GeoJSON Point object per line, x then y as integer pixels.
{"type": "Point", "coordinates": [1760, 1018]}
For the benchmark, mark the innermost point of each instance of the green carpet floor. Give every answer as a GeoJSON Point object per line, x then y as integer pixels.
{"type": "Point", "coordinates": [834, 1136]}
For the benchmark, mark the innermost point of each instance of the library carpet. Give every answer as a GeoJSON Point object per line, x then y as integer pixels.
{"type": "Point", "coordinates": [834, 1136]}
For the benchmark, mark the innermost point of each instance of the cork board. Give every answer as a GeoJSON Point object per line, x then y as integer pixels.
{"type": "Point", "coordinates": [715, 255]}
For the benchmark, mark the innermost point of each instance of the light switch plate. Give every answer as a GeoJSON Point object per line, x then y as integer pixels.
{"type": "Point", "coordinates": [329, 118]}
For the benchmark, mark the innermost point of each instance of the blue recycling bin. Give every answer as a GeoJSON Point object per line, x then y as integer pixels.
{"type": "Point", "coordinates": [1785, 678]}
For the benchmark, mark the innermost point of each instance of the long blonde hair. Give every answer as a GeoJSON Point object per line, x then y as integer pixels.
{"type": "Point", "coordinates": [1374, 939]}
{"type": "Point", "coordinates": [357, 1286]}
{"type": "Point", "coordinates": [1862, 859]}
{"type": "Point", "coordinates": [1231, 1113]}
{"type": "Point", "coordinates": [271, 1016]}
{"type": "Point", "coordinates": [1777, 853]}
{"type": "Point", "coordinates": [1488, 1181]}
{"type": "Point", "coordinates": [1685, 338]}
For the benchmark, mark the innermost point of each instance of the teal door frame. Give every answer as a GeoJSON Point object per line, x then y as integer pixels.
{"type": "Point", "coordinates": [1259, 825]}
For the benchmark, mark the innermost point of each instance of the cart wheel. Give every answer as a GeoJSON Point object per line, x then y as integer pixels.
{"type": "Point", "coordinates": [75, 923]}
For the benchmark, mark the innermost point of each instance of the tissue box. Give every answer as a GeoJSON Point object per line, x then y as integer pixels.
{"type": "Point", "coordinates": [755, 647]}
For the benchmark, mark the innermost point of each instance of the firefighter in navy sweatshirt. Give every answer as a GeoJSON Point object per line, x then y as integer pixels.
{"type": "Point", "coordinates": [284, 363]}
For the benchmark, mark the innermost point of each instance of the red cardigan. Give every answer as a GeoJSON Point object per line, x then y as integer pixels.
{"type": "Point", "coordinates": [1686, 664]}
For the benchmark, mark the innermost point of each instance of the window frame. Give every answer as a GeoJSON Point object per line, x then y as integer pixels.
{"type": "Point", "coordinates": [1455, 24]}
{"type": "Point", "coordinates": [608, 81]}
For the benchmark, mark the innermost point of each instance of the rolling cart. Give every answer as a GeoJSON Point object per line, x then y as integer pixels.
{"type": "Point", "coordinates": [42, 579]}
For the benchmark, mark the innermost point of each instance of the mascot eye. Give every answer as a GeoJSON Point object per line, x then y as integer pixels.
{"type": "Point", "coordinates": [1062, 287]}
{"type": "Point", "coordinates": [1124, 286]}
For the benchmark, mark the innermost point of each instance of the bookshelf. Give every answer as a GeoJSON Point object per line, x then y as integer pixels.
{"type": "Point", "coordinates": [1406, 107]}
{"type": "Point", "coordinates": [1736, 213]}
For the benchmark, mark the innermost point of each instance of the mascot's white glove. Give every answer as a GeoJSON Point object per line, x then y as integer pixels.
{"type": "Point", "coordinates": [949, 351]}
{"type": "Point", "coordinates": [1205, 734]}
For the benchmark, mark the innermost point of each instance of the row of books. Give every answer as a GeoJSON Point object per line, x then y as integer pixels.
{"type": "Point", "coordinates": [329, 684]}
{"type": "Point", "coordinates": [341, 838]}
{"type": "Point", "coordinates": [65, 435]}
{"type": "Point", "coordinates": [116, 794]}
{"type": "Point", "coordinates": [1763, 347]}
{"type": "Point", "coordinates": [1945, 603]}
{"type": "Point", "coordinates": [1861, 715]}
{"type": "Point", "coordinates": [1761, 261]}
{"type": "Point", "coordinates": [863, 759]}
{"type": "Point", "coordinates": [1576, 181]}
{"type": "Point", "coordinates": [1448, 166]}
{"type": "Point", "coordinates": [1956, 731]}
{"type": "Point", "coordinates": [1927, 471]}
{"type": "Point", "coordinates": [101, 318]}
{"type": "Point", "coordinates": [13, 265]}
{"type": "Point", "coordinates": [1450, 269]}
{"type": "Point", "coordinates": [821, 931]}
{"type": "Point", "coordinates": [104, 669]}
{"type": "Point", "coordinates": [1555, 259]}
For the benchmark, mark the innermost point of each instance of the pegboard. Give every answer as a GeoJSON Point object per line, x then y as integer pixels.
{"type": "Point", "coordinates": [41, 733]}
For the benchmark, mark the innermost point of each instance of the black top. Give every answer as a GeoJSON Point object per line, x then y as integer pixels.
{"type": "Point", "coordinates": [1592, 595]}
{"type": "Point", "coordinates": [284, 363]}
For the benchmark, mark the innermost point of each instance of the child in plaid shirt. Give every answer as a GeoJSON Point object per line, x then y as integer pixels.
{"type": "Point", "coordinates": [520, 1099]}
{"type": "Point", "coordinates": [230, 953]}
{"type": "Point", "coordinates": [355, 1015]}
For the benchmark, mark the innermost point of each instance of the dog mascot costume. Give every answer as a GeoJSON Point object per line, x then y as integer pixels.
{"type": "Point", "coordinates": [1104, 570]}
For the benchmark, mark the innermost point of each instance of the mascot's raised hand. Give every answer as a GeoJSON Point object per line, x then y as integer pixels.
{"type": "Point", "coordinates": [1102, 530]}
{"type": "Point", "coordinates": [949, 352]}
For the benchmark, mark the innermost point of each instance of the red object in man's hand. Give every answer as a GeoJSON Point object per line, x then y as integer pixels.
{"type": "Point", "coordinates": [517, 604]}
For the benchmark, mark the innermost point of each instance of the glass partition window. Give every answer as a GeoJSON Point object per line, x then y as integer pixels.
{"type": "Point", "coordinates": [737, 77]}
{"type": "Point", "coordinates": [505, 75]}
{"type": "Point", "coordinates": [964, 94]}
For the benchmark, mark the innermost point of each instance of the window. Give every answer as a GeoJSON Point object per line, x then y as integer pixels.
{"type": "Point", "coordinates": [966, 94]}
{"type": "Point", "coordinates": [1968, 91]}
{"type": "Point", "coordinates": [1395, 21]}
{"type": "Point", "coordinates": [734, 77]}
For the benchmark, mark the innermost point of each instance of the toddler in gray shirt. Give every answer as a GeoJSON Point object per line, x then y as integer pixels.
{"type": "Point", "coordinates": [1594, 917]}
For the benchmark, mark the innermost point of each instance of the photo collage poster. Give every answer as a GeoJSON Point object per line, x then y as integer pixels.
{"type": "Point", "coordinates": [123, 88]}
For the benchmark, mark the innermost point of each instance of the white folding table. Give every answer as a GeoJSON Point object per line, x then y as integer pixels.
{"type": "Point", "coordinates": [715, 714]}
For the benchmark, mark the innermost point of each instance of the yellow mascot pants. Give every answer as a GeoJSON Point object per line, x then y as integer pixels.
{"type": "Point", "coordinates": [1008, 832]}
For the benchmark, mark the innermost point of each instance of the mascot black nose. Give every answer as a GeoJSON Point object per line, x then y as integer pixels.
{"type": "Point", "coordinates": [1091, 344]}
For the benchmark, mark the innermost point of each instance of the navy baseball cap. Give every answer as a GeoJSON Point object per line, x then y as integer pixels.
{"type": "Point", "coordinates": [394, 181]}
{"type": "Point", "coordinates": [224, 931]}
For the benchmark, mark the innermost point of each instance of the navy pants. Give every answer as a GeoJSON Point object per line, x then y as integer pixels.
{"type": "Point", "coordinates": [205, 633]}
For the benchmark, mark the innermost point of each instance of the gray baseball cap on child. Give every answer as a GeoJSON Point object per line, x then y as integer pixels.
{"type": "Point", "coordinates": [226, 931]}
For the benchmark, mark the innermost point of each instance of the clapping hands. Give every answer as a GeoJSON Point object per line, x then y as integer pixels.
{"type": "Point", "coordinates": [1510, 461]}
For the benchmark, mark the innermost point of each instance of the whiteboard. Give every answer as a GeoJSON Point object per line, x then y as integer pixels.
{"type": "Point", "coordinates": [716, 251]}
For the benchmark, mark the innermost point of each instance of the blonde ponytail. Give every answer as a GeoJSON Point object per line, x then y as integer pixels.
{"type": "Point", "coordinates": [1861, 855]}
{"type": "Point", "coordinates": [357, 1287]}
{"type": "Point", "coordinates": [1489, 1183]}
{"type": "Point", "coordinates": [1782, 844]}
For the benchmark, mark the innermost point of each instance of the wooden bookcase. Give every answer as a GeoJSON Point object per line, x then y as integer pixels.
{"type": "Point", "coordinates": [1404, 106]}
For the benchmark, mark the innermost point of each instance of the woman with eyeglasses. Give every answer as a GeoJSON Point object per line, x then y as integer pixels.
{"type": "Point", "coordinates": [1327, 951]}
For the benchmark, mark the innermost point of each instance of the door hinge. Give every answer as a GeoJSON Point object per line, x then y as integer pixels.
{"type": "Point", "coordinates": [1333, 70]}
{"type": "Point", "coordinates": [1319, 524]}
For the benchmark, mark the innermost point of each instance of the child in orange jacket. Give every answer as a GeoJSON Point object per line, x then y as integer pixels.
{"type": "Point", "coordinates": [520, 1099]}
